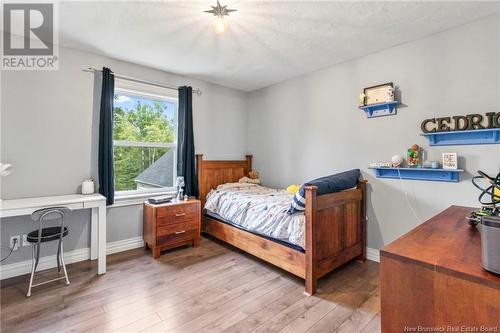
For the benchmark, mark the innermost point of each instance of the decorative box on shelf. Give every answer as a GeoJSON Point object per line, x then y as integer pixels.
{"type": "Point", "coordinates": [441, 175]}
{"type": "Point", "coordinates": [380, 109]}
{"type": "Point", "coordinates": [468, 137]}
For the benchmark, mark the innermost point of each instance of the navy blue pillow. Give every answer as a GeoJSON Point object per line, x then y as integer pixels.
{"type": "Point", "coordinates": [329, 184]}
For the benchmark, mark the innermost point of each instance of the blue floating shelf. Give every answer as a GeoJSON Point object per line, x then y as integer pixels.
{"type": "Point", "coordinates": [469, 137]}
{"type": "Point", "coordinates": [439, 175]}
{"type": "Point", "coordinates": [380, 109]}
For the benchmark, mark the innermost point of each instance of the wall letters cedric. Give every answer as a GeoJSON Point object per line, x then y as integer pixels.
{"type": "Point", "coordinates": [461, 123]}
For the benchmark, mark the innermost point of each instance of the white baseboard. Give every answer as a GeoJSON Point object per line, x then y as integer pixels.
{"type": "Point", "coordinates": [124, 245]}
{"type": "Point", "coordinates": [372, 254]}
{"type": "Point", "coordinates": [24, 267]}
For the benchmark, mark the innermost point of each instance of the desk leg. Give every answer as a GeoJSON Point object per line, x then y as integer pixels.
{"type": "Point", "coordinates": [101, 263]}
{"type": "Point", "coordinates": [94, 233]}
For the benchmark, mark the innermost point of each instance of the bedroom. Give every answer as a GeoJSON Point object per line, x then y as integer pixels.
{"type": "Point", "coordinates": [281, 83]}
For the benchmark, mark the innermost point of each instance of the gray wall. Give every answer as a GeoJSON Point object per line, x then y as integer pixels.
{"type": "Point", "coordinates": [310, 126]}
{"type": "Point", "coordinates": [48, 133]}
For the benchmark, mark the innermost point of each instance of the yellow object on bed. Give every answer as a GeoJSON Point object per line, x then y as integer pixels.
{"type": "Point", "coordinates": [292, 189]}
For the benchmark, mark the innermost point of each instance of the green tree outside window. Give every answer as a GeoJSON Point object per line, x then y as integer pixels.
{"type": "Point", "coordinates": [146, 121]}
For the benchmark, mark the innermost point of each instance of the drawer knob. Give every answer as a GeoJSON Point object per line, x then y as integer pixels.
{"type": "Point", "coordinates": [180, 214]}
{"type": "Point", "coordinates": [179, 232]}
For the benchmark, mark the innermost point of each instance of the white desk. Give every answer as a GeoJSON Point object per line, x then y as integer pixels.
{"type": "Point", "coordinates": [97, 202]}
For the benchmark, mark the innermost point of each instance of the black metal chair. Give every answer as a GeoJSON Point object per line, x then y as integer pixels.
{"type": "Point", "coordinates": [43, 235]}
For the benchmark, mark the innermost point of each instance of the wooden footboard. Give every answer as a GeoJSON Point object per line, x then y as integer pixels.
{"type": "Point", "coordinates": [335, 231]}
{"type": "Point", "coordinates": [335, 225]}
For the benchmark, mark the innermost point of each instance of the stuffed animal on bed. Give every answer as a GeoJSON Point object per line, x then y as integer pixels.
{"type": "Point", "coordinates": [253, 174]}
{"type": "Point", "coordinates": [253, 178]}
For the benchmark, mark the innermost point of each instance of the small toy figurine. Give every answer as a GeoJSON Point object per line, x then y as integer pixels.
{"type": "Point", "coordinates": [413, 156]}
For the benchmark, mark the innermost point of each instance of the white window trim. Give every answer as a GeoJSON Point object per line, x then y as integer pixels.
{"type": "Point", "coordinates": [147, 95]}
{"type": "Point", "coordinates": [135, 197]}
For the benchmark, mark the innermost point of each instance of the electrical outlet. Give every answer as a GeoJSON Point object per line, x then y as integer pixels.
{"type": "Point", "coordinates": [15, 246]}
{"type": "Point", "coordinates": [25, 240]}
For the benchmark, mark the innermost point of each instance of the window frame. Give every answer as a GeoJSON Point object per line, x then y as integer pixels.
{"type": "Point", "coordinates": [127, 195]}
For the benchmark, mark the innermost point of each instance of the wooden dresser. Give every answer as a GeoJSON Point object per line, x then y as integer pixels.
{"type": "Point", "coordinates": [171, 225]}
{"type": "Point", "coordinates": [432, 277]}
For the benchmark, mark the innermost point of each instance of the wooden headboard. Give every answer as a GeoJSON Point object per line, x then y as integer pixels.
{"type": "Point", "coordinates": [214, 173]}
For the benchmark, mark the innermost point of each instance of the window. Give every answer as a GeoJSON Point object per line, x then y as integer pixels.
{"type": "Point", "coordinates": [145, 141]}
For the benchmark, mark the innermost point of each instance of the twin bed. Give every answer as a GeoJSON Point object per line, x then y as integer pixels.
{"type": "Point", "coordinates": [330, 232]}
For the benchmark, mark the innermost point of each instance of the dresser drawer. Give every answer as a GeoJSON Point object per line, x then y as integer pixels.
{"type": "Point", "coordinates": [176, 214]}
{"type": "Point", "coordinates": [177, 232]}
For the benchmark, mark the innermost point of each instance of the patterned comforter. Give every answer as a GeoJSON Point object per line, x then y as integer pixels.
{"type": "Point", "coordinates": [258, 209]}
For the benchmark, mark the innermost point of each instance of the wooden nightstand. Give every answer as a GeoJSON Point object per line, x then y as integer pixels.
{"type": "Point", "coordinates": [171, 225]}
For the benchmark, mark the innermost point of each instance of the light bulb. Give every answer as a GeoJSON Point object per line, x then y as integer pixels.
{"type": "Point", "coordinates": [220, 24]}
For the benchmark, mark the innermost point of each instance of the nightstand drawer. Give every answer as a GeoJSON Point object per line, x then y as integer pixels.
{"type": "Point", "coordinates": [177, 233]}
{"type": "Point", "coordinates": [176, 214]}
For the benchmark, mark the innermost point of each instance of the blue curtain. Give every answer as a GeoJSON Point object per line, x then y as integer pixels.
{"type": "Point", "coordinates": [105, 161]}
{"type": "Point", "coordinates": [185, 148]}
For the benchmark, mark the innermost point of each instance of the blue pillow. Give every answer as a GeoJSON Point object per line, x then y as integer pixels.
{"type": "Point", "coordinates": [329, 184]}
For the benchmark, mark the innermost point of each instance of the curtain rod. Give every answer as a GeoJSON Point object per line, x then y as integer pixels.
{"type": "Point", "coordinates": [128, 78]}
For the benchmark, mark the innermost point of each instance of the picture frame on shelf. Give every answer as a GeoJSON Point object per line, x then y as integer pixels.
{"type": "Point", "coordinates": [450, 161]}
{"type": "Point", "coordinates": [381, 93]}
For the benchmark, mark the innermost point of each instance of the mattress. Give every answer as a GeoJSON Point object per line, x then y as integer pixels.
{"type": "Point", "coordinates": [258, 209]}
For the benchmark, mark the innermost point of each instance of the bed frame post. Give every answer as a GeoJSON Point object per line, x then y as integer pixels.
{"type": "Point", "coordinates": [249, 163]}
{"type": "Point", "coordinates": [362, 187]}
{"type": "Point", "coordinates": [310, 264]}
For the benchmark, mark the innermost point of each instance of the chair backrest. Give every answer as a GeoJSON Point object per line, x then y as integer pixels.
{"type": "Point", "coordinates": [50, 213]}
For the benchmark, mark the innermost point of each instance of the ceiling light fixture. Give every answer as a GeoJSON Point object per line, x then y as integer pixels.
{"type": "Point", "coordinates": [220, 24]}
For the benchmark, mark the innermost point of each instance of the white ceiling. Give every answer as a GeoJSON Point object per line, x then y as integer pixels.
{"type": "Point", "coordinates": [267, 42]}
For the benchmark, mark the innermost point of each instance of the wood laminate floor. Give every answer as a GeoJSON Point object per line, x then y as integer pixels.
{"type": "Point", "coordinates": [212, 288]}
